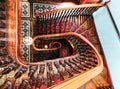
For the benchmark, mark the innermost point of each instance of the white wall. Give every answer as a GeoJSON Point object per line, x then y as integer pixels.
{"type": "Point", "coordinates": [114, 6]}
{"type": "Point", "coordinates": [110, 43]}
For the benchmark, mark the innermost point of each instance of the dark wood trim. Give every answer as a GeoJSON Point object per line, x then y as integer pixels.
{"type": "Point", "coordinates": [112, 18]}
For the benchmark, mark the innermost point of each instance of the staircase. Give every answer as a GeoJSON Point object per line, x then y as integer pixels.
{"type": "Point", "coordinates": [104, 77]}
{"type": "Point", "coordinates": [87, 24]}
{"type": "Point", "coordinates": [3, 24]}
{"type": "Point", "coordinates": [3, 33]}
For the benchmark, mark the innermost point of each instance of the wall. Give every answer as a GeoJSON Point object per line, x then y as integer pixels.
{"type": "Point", "coordinates": [110, 43]}
{"type": "Point", "coordinates": [114, 6]}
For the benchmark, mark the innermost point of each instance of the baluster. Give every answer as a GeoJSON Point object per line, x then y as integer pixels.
{"type": "Point", "coordinates": [20, 72]}
{"type": "Point", "coordinates": [63, 74]}
{"type": "Point", "coordinates": [2, 6]}
{"type": "Point", "coordinates": [76, 64]}
{"type": "Point", "coordinates": [3, 51]}
{"type": "Point", "coordinates": [40, 77]}
{"type": "Point", "coordinates": [25, 82]}
{"type": "Point", "coordinates": [79, 65]}
{"type": "Point", "coordinates": [6, 61]}
{"type": "Point", "coordinates": [50, 74]}
{"type": "Point", "coordinates": [67, 68]}
{"type": "Point", "coordinates": [33, 69]}
{"type": "Point", "coordinates": [2, 15]}
{"type": "Point", "coordinates": [10, 68]}
{"type": "Point", "coordinates": [73, 67]}
{"type": "Point", "coordinates": [9, 83]}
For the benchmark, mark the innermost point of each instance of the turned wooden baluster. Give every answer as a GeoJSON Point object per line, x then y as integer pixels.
{"type": "Point", "coordinates": [9, 68]}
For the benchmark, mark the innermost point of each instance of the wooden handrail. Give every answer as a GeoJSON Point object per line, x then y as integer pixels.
{"type": "Point", "coordinates": [70, 8]}
{"type": "Point", "coordinates": [112, 18]}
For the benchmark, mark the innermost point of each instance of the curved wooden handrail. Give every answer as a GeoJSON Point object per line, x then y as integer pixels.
{"type": "Point", "coordinates": [47, 49]}
{"type": "Point", "coordinates": [77, 81]}
{"type": "Point", "coordinates": [65, 34]}
{"type": "Point", "coordinates": [24, 62]}
{"type": "Point", "coordinates": [73, 82]}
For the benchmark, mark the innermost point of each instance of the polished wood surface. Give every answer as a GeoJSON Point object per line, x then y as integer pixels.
{"type": "Point", "coordinates": [14, 27]}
